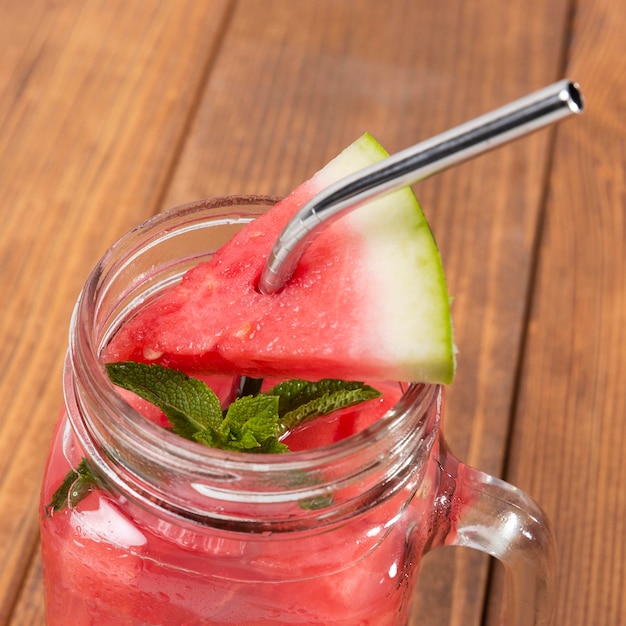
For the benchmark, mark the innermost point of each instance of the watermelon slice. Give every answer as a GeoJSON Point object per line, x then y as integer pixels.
{"type": "Point", "coordinates": [368, 300]}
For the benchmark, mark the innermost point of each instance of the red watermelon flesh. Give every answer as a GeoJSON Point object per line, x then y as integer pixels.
{"type": "Point", "coordinates": [368, 300]}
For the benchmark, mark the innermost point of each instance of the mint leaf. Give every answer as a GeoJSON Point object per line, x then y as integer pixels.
{"type": "Point", "coordinates": [189, 404]}
{"type": "Point", "coordinates": [295, 393]}
{"type": "Point", "coordinates": [77, 484]}
{"type": "Point", "coordinates": [313, 504]}
{"type": "Point", "coordinates": [251, 424]}
{"type": "Point", "coordinates": [301, 401]}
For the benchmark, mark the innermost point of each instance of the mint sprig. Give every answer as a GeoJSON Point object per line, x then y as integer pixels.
{"type": "Point", "coordinates": [252, 423]}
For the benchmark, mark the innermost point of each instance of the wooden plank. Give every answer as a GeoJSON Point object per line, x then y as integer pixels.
{"type": "Point", "coordinates": [570, 428]}
{"type": "Point", "coordinates": [30, 611]}
{"type": "Point", "coordinates": [286, 94]}
{"type": "Point", "coordinates": [94, 101]}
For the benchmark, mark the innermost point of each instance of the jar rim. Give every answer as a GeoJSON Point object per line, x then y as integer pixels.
{"type": "Point", "coordinates": [111, 429]}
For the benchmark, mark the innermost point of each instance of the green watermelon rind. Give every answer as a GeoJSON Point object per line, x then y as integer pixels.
{"type": "Point", "coordinates": [397, 222]}
{"type": "Point", "coordinates": [368, 300]}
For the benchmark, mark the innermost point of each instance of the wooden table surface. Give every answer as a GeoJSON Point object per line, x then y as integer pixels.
{"type": "Point", "coordinates": [112, 110]}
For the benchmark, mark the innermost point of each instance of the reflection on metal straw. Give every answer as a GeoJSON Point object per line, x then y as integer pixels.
{"type": "Point", "coordinates": [412, 165]}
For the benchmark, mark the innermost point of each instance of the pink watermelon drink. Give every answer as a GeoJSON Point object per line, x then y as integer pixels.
{"type": "Point", "coordinates": [340, 561]}
{"type": "Point", "coordinates": [140, 525]}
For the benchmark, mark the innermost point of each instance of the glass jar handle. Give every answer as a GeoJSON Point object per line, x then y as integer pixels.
{"type": "Point", "coordinates": [490, 515]}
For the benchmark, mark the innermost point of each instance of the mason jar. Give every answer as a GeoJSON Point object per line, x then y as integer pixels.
{"type": "Point", "coordinates": [172, 532]}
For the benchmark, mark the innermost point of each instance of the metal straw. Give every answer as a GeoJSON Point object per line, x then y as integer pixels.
{"type": "Point", "coordinates": [412, 165]}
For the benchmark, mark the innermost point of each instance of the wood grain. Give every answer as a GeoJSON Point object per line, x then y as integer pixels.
{"type": "Point", "coordinates": [94, 101]}
{"type": "Point", "coordinates": [30, 611]}
{"type": "Point", "coordinates": [569, 438]}
{"type": "Point", "coordinates": [111, 110]}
